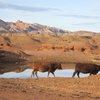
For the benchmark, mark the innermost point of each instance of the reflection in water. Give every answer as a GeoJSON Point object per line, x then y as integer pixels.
{"type": "Point", "coordinates": [13, 68]}
{"type": "Point", "coordinates": [27, 74]}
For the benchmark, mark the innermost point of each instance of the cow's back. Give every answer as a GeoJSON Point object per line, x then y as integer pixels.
{"type": "Point", "coordinates": [85, 68]}
{"type": "Point", "coordinates": [42, 67]}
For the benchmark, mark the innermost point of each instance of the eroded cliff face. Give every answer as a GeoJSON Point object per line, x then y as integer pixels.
{"type": "Point", "coordinates": [27, 43]}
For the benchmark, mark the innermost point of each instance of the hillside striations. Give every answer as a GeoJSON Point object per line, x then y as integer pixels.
{"type": "Point", "coordinates": [21, 27]}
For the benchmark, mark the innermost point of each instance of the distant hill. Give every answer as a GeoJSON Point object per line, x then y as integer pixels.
{"type": "Point", "coordinates": [84, 33]}
{"type": "Point", "coordinates": [22, 27]}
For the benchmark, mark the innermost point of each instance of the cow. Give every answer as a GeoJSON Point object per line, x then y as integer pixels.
{"type": "Point", "coordinates": [86, 68]}
{"type": "Point", "coordinates": [45, 67]}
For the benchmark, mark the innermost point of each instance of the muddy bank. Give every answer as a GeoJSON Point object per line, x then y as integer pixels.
{"type": "Point", "coordinates": [51, 88]}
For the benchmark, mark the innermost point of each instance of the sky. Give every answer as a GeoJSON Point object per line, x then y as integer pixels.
{"type": "Point", "coordinates": [72, 15]}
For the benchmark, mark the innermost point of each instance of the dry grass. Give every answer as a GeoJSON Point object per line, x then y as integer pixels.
{"type": "Point", "coordinates": [60, 57]}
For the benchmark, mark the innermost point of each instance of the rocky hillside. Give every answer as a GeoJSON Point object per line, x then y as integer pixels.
{"type": "Point", "coordinates": [21, 27]}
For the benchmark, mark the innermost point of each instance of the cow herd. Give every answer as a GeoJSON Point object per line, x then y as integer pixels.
{"type": "Point", "coordinates": [92, 69]}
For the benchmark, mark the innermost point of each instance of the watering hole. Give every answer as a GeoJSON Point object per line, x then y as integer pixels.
{"type": "Point", "coordinates": [27, 74]}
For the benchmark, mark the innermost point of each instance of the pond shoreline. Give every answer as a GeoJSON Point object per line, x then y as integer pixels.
{"type": "Point", "coordinates": [65, 73]}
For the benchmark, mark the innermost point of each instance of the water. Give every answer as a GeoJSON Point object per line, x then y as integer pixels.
{"type": "Point", "coordinates": [27, 74]}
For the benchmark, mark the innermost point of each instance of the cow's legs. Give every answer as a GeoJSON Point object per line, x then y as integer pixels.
{"type": "Point", "coordinates": [32, 73]}
{"type": "Point", "coordinates": [78, 74]}
{"type": "Point", "coordinates": [36, 74]}
{"type": "Point", "coordinates": [90, 74]}
{"type": "Point", "coordinates": [74, 74]}
{"type": "Point", "coordinates": [53, 74]}
{"type": "Point", "coordinates": [93, 73]}
{"type": "Point", "coordinates": [48, 73]}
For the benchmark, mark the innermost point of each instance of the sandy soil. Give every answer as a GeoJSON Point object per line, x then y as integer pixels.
{"type": "Point", "coordinates": [51, 89]}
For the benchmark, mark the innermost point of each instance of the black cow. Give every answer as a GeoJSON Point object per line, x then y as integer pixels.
{"type": "Point", "coordinates": [86, 68]}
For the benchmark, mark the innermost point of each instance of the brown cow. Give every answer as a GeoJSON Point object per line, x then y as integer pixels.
{"type": "Point", "coordinates": [46, 67]}
{"type": "Point", "coordinates": [86, 68]}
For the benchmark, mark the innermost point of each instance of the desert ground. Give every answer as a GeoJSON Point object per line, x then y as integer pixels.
{"type": "Point", "coordinates": [87, 88]}
{"type": "Point", "coordinates": [29, 48]}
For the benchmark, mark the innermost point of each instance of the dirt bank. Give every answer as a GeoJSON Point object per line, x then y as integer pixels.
{"type": "Point", "coordinates": [51, 89]}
